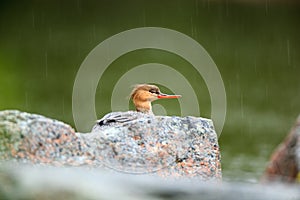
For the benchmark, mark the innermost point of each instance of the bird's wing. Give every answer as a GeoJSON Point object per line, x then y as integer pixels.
{"type": "Point", "coordinates": [117, 117]}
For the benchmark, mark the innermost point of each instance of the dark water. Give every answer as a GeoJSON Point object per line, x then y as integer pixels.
{"type": "Point", "coordinates": [255, 45]}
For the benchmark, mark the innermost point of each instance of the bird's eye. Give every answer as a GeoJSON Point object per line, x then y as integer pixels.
{"type": "Point", "coordinates": [154, 91]}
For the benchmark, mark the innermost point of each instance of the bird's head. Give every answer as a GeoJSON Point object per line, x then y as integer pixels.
{"type": "Point", "coordinates": [143, 94]}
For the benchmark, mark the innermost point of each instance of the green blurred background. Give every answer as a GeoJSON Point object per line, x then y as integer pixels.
{"type": "Point", "coordinates": [255, 45]}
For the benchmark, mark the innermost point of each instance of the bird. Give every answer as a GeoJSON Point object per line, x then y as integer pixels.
{"type": "Point", "coordinates": [142, 95]}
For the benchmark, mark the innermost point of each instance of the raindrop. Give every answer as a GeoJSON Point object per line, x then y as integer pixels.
{"type": "Point", "coordinates": [197, 9]}
{"type": "Point", "coordinates": [63, 105]}
{"type": "Point", "coordinates": [216, 45]}
{"type": "Point", "coordinates": [192, 27]}
{"type": "Point", "coordinates": [50, 34]}
{"type": "Point", "coordinates": [94, 32]}
{"type": "Point", "coordinates": [288, 51]}
{"type": "Point", "coordinates": [227, 12]}
{"type": "Point", "coordinates": [255, 66]}
{"type": "Point", "coordinates": [267, 6]}
{"type": "Point", "coordinates": [242, 105]}
{"type": "Point", "coordinates": [33, 19]}
{"type": "Point", "coordinates": [78, 6]}
{"type": "Point", "coordinates": [144, 17]}
{"type": "Point", "coordinates": [266, 91]}
{"type": "Point", "coordinates": [46, 64]}
{"type": "Point", "coordinates": [78, 48]}
{"type": "Point", "coordinates": [26, 100]}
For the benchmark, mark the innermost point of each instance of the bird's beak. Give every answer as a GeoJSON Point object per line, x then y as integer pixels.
{"type": "Point", "coordinates": [167, 96]}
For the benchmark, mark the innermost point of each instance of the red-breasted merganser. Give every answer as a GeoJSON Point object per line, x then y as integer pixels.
{"type": "Point", "coordinates": [142, 95]}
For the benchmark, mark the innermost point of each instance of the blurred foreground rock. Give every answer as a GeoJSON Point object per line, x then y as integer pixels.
{"type": "Point", "coordinates": [284, 165]}
{"type": "Point", "coordinates": [157, 145]}
{"type": "Point", "coordinates": [70, 183]}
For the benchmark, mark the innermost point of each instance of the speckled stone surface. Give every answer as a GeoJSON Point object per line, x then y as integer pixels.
{"type": "Point", "coordinates": [146, 144]}
{"type": "Point", "coordinates": [37, 139]}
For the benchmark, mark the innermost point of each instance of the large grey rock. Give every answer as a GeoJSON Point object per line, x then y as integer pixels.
{"type": "Point", "coordinates": [169, 146]}
{"type": "Point", "coordinates": [37, 139]}
{"type": "Point", "coordinates": [157, 145]}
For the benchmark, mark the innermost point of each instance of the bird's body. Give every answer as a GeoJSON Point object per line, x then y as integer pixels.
{"type": "Point", "coordinates": [142, 95]}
